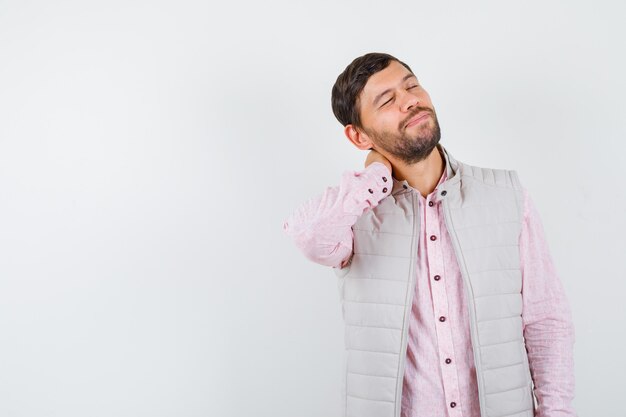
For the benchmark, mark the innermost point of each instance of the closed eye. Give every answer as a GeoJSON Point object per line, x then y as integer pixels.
{"type": "Point", "coordinates": [386, 102]}
{"type": "Point", "coordinates": [413, 86]}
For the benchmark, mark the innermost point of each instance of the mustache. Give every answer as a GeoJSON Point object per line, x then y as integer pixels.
{"type": "Point", "coordinates": [412, 115]}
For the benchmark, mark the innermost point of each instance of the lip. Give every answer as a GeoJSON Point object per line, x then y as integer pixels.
{"type": "Point", "coordinates": [418, 118]}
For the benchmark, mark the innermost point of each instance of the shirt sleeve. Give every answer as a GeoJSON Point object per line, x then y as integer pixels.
{"type": "Point", "coordinates": [322, 227]}
{"type": "Point", "coordinates": [547, 321]}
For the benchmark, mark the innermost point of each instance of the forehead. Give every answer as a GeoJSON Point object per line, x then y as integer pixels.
{"type": "Point", "coordinates": [390, 77]}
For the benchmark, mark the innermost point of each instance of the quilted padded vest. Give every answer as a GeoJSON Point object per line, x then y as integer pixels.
{"type": "Point", "coordinates": [483, 211]}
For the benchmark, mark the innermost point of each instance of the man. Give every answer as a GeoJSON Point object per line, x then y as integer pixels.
{"type": "Point", "coordinates": [451, 302]}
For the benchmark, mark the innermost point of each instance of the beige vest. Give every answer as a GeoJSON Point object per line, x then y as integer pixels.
{"type": "Point", "coordinates": [483, 211]}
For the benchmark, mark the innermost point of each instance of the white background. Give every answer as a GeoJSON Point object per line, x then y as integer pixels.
{"type": "Point", "coordinates": [150, 152]}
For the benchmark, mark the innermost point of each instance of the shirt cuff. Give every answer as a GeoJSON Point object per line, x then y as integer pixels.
{"type": "Point", "coordinates": [378, 180]}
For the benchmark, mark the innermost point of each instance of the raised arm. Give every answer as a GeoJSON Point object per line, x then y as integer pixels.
{"type": "Point", "coordinates": [322, 227]}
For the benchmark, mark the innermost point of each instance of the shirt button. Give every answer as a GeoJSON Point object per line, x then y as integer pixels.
{"type": "Point", "coordinates": [452, 404]}
{"type": "Point", "coordinates": [437, 277]}
{"type": "Point", "coordinates": [430, 203]}
{"type": "Point", "coordinates": [385, 190]}
{"type": "Point", "coordinates": [448, 361]}
{"type": "Point", "coordinates": [371, 191]}
{"type": "Point", "coordinates": [442, 319]}
{"type": "Point", "coordinates": [385, 179]}
{"type": "Point", "coordinates": [433, 237]}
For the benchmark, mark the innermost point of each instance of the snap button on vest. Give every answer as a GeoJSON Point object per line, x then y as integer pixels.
{"type": "Point", "coordinates": [385, 190]}
{"type": "Point", "coordinates": [433, 237]}
{"type": "Point", "coordinates": [385, 179]}
{"type": "Point", "coordinates": [452, 404]}
{"type": "Point", "coordinates": [442, 319]}
{"type": "Point", "coordinates": [430, 203]}
{"type": "Point", "coordinates": [437, 277]}
{"type": "Point", "coordinates": [370, 190]}
{"type": "Point", "coordinates": [444, 192]}
{"type": "Point", "coordinates": [448, 360]}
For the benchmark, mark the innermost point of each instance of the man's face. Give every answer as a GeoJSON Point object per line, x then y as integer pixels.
{"type": "Point", "coordinates": [397, 114]}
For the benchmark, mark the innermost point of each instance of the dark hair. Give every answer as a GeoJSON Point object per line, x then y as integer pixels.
{"type": "Point", "coordinates": [350, 83]}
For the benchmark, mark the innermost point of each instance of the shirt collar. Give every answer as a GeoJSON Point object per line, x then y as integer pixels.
{"type": "Point", "coordinates": [449, 173]}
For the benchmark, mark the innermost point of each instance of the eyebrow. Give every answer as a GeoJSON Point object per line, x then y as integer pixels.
{"type": "Point", "coordinates": [378, 97]}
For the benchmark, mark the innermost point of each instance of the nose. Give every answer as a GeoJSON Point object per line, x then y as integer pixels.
{"type": "Point", "coordinates": [408, 101]}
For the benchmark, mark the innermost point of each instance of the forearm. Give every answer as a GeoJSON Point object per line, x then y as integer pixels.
{"type": "Point", "coordinates": [550, 346]}
{"type": "Point", "coordinates": [322, 227]}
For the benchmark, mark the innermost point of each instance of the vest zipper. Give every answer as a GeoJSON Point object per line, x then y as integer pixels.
{"type": "Point", "coordinates": [469, 295]}
{"type": "Point", "coordinates": [408, 306]}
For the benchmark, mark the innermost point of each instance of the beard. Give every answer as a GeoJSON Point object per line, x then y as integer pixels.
{"type": "Point", "coordinates": [410, 148]}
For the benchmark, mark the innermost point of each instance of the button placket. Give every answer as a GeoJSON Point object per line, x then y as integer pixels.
{"type": "Point", "coordinates": [440, 306]}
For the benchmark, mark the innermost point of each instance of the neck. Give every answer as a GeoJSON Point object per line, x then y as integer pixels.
{"type": "Point", "coordinates": [424, 175]}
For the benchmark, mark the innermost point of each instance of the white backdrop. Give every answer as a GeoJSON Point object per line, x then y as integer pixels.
{"type": "Point", "coordinates": [150, 152]}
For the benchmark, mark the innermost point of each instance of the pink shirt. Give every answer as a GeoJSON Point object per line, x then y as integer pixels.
{"type": "Point", "coordinates": [440, 375]}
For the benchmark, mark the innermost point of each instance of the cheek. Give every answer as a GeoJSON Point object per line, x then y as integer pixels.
{"type": "Point", "coordinates": [367, 118]}
{"type": "Point", "coordinates": [426, 100]}
{"type": "Point", "coordinates": [388, 125]}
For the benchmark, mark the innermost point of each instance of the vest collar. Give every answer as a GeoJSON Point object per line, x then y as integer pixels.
{"type": "Point", "coordinates": [452, 171]}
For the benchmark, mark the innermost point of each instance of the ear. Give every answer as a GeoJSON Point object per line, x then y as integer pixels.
{"type": "Point", "coordinates": [358, 138]}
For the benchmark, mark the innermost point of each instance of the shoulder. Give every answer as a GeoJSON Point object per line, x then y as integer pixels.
{"type": "Point", "coordinates": [498, 177]}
